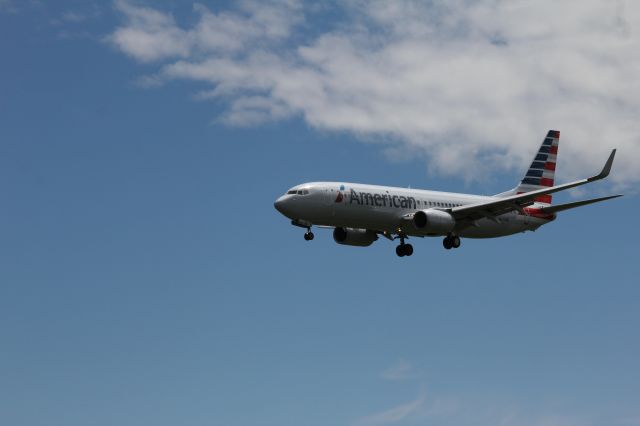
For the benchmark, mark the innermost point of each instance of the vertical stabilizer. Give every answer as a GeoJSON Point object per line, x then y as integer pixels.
{"type": "Point", "coordinates": [542, 172]}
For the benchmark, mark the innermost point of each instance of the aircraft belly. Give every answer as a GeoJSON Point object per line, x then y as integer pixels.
{"type": "Point", "coordinates": [366, 217]}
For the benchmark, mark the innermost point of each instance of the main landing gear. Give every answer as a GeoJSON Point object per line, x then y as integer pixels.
{"type": "Point", "coordinates": [404, 249]}
{"type": "Point", "coordinates": [451, 241]}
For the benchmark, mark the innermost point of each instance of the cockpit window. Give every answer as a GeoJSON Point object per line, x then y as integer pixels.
{"type": "Point", "coordinates": [298, 192]}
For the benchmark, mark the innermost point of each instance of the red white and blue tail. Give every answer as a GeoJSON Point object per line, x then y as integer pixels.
{"type": "Point", "coordinates": [542, 172]}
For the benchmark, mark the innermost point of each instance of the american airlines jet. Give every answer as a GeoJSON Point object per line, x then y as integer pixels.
{"type": "Point", "coordinates": [360, 213]}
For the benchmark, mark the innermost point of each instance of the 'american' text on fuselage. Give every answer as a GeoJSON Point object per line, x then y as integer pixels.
{"type": "Point", "coordinates": [381, 200]}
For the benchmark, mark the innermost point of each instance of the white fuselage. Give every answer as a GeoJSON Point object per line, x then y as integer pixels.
{"type": "Point", "coordinates": [384, 209]}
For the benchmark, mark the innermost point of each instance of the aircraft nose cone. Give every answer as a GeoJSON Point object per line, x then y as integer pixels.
{"type": "Point", "coordinates": [279, 205]}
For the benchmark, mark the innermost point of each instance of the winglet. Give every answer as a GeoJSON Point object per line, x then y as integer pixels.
{"type": "Point", "coordinates": [606, 169]}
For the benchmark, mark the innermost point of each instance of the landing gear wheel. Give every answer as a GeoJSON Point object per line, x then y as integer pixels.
{"type": "Point", "coordinates": [308, 236]}
{"type": "Point", "coordinates": [447, 243]}
{"type": "Point", "coordinates": [404, 250]}
{"type": "Point", "coordinates": [408, 249]}
{"type": "Point", "coordinates": [455, 242]}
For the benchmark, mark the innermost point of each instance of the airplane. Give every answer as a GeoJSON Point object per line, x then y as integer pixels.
{"type": "Point", "coordinates": [360, 213]}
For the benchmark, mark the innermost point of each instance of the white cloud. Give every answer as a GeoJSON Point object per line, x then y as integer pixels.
{"type": "Point", "coordinates": [152, 35]}
{"type": "Point", "coordinates": [471, 85]}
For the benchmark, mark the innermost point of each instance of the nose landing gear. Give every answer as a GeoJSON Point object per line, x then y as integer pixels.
{"type": "Point", "coordinates": [308, 236]}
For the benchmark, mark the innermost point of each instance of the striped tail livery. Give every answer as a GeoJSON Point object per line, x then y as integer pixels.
{"type": "Point", "coordinates": [541, 173]}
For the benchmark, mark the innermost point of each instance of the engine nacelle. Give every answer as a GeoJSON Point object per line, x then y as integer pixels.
{"type": "Point", "coordinates": [433, 222]}
{"type": "Point", "coordinates": [354, 236]}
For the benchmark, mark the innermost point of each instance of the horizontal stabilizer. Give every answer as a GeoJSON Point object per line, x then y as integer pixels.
{"type": "Point", "coordinates": [561, 207]}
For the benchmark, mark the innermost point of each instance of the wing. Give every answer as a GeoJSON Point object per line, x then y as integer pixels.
{"type": "Point", "coordinates": [500, 206]}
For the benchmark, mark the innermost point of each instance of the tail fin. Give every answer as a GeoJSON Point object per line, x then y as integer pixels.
{"type": "Point", "coordinates": [542, 172]}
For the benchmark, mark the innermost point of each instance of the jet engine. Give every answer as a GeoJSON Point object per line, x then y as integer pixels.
{"type": "Point", "coordinates": [354, 236]}
{"type": "Point", "coordinates": [433, 222]}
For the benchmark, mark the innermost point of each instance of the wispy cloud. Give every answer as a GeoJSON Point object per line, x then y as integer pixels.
{"type": "Point", "coordinates": [72, 16]}
{"type": "Point", "coordinates": [401, 370]}
{"type": "Point", "coordinates": [470, 85]}
{"type": "Point", "coordinates": [73, 24]}
{"type": "Point", "coordinates": [395, 414]}
{"type": "Point", "coordinates": [468, 412]}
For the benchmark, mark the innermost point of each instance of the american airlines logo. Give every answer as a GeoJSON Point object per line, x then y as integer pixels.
{"type": "Point", "coordinates": [379, 200]}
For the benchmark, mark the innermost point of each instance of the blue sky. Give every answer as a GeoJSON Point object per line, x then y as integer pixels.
{"type": "Point", "coordinates": [145, 278]}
